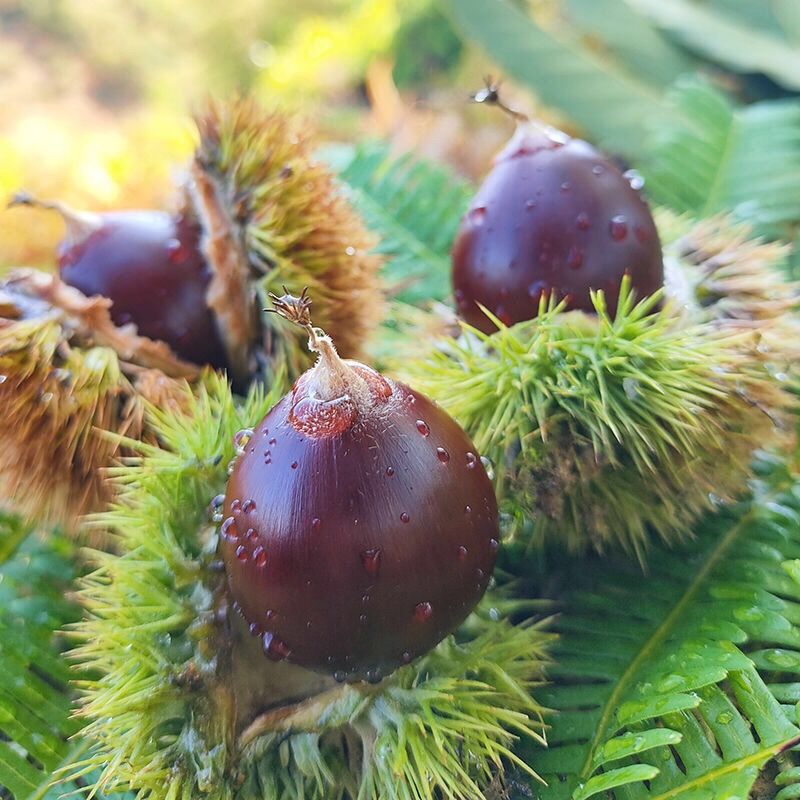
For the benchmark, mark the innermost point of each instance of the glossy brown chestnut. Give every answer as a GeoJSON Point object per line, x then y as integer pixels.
{"type": "Point", "coordinates": [360, 526]}
{"type": "Point", "coordinates": [554, 215]}
{"type": "Point", "coordinates": [151, 266]}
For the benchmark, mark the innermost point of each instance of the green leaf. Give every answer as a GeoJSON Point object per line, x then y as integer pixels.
{"type": "Point", "coordinates": [615, 106]}
{"type": "Point", "coordinates": [666, 684]}
{"type": "Point", "coordinates": [415, 207]}
{"type": "Point", "coordinates": [726, 158]}
{"type": "Point", "coordinates": [724, 39]}
{"type": "Point", "coordinates": [630, 38]}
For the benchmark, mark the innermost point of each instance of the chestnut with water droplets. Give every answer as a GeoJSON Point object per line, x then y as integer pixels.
{"type": "Point", "coordinates": [151, 266]}
{"type": "Point", "coordinates": [554, 215]}
{"type": "Point", "coordinates": [355, 487]}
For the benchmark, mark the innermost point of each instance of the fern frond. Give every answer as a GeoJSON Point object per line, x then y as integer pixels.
{"type": "Point", "coordinates": [415, 208]}
{"type": "Point", "coordinates": [682, 683]}
{"type": "Point", "coordinates": [35, 723]}
{"type": "Point", "coordinates": [713, 156]}
{"type": "Point", "coordinates": [174, 702]}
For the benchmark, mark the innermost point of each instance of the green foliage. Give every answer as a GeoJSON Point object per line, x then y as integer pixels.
{"type": "Point", "coordinates": [682, 683]}
{"type": "Point", "coordinates": [721, 37]}
{"type": "Point", "coordinates": [415, 207]}
{"type": "Point", "coordinates": [713, 156]}
{"type": "Point", "coordinates": [35, 723]}
{"type": "Point", "coordinates": [615, 106]}
{"type": "Point", "coordinates": [165, 716]}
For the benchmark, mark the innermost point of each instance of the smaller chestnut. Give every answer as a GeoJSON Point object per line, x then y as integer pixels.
{"type": "Point", "coordinates": [554, 216]}
{"type": "Point", "coordinates": [151, 266]}
{"type": "Point", "coordinates": [360, 526]}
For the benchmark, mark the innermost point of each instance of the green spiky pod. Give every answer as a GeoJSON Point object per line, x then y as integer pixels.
{"type": "Point", "coordinates": [70, 383]}
{"type": "Point", "coordinates": [604, 430]}
{"type": "Point", "coordinates": [184, 704]}
{"type": "Point", "coordinates": [274, 217]}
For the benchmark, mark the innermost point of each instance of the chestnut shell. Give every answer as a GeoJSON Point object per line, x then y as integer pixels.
{"type": "Point", "coordinates": [356, 545]}
{"type": "Point", "coordinates": [149, 264]}
{"type": "Point", "coordinates": [553, 215]}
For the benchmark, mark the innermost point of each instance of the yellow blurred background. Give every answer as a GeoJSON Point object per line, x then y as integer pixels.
{"type": "Point", "coordinates": [96, 97]}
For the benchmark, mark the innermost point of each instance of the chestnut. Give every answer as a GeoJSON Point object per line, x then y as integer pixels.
{"type": "Point", "coordinates": [150, 265]}
{"type": "Point", "coordinates": [554, 216]}
{"type": "Point", "coordinates": [360, 526]}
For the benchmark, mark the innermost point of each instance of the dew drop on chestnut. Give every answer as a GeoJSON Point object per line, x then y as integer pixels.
{"type": "Point", "coordinates": [493, 544]}
{"type": "Point", "coordinates": [422, 427]}
{"type": "Point", "coordinates": [442, 455]}
{"type": "Point", "coordinates": [423, 611]}
{"type": "Point", "coordinates": [462, 552]}
{"type": "Point", "coordinates": [618, 228]}
{"type": "Point", "coordinates": [371, 561]}
{"type": "Point", "coordinates": [228, 529]}
{"type": "Point", "coordinates": [389, 471]}
{"type": "Point", "coordinates": [255, 629]}
{"type": "Point", "coordinates": [405, 518]}
{"type": "Point", "coordinates": [275, 648]}
{"type": "Point", "coordinates": [260, 556]}
{"type": "Point", "coordinates": [249, 506]}
{"type": "Point", "coordinates": [472, 460]}
{"type": "Point", "coordinates": [241, 553]}
{"type": "Point", "coordinates": [316, 523]}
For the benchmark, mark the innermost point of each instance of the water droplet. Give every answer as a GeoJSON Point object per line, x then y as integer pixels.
{"type": "Point", "coordinates": [371, 561]}
{"type": "Point", "coordinates": [410, 399]}
{"type": "Point", "coordinates": [422, 427]}
{"type": "Point", "coordinates": [272, 442]}
{"type": "Point", "coordinates": [618, 228]}
{"type": "Point", "coordinates": [248, 506]}
{"type": "Point", "coordinates": [251, 536]}
{"type": "Point", "coordinates": [215, 508]}
{"type": "Point", "coordinates": [315, 523]}
{"type": "Point", "coordinates": [582, 221]}
{"type": "Point", "coordinates": [477, 215]}
{"type": "Point", "coordinates": [493, 545]}
{"type": "Point", "coordinates": [423, 611]}
{"type": "Point", "coordinates": [406, 657]}
{"type": "Point", "coordinates": [241, 553]}
{"type": "Point", "coordinates": [241, 439]}
{"type": "Point", "coordinates": [255, 629]}
{"type": "Point", "coordinates": [536, 289]}
{"type": "Point", "coordinates": [228, 530]}
{"type": "Point", "coordinates": [404, 517]}
{"type": "Point", "coordinates": [275, 648]}
{"type": "Point", "coordinates": [293, 465]}
{"type": "Point", "coordinates": [467, 509]}
{"type": "Point", "coordinates": [231, 466]}
{"type": "Point", "coordinates": [631, 388]}
{"type": "Point", "coordinates": [3, 379]}
{"type": "Point", "coordinates": [462, 553]}
{"type": "Point", "coordinates": [339, 676]}
{"type": "Point", "coordinates": [390, 471]}
{"type": "Point", "coordinates": [442, 455]}
{"type": "Point", "coordinates": [350, 251]}
{"type": "Point", "coordinates": [236, 507]}
{"type": "Point", "coordinates": [374, 676]}
{"type": "Point", "coordinates": [480, 574]}
{"type": "Point", "coordinates": [566, 186]}
{"type": "Point", "coordinates": [260, 556]}
{"type": "Point", "coordinates": [575, 257]}
{"type": "Point", "coordinates": [177, 253]}
{"type": "Point", "coordinates": [362, 619]}
{"type": "Point", "coordinates": [635, 179]}
{"type": "Point", "coordinates": [598, 169]}
{"type": "Point", "coordinates": [270, 614]}
{"type": "Point", "coordinates": [472, 460]}
{"type": "Point", "coordinates": [488, 466]}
